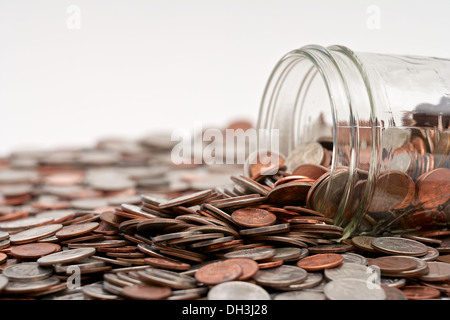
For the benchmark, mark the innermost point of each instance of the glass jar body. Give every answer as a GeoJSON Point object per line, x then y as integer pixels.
{"type": "Point", "coordinates": [384, 121]}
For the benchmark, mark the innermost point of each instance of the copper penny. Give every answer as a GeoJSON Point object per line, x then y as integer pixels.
{"type": "Point", "coordinates": [252, 217]}
{"type": "Point", "coordinates": [168, 264]}
{"type": "Point", "coordinates": [437, 271]}
{"type": "Point", "coordinates": [249, 267]}
{"type": "Point", "coordinates": [34, 250]}
{"type": "Point", "coordinates": [445, 258]}
{"type": "Point", "coordinates": [393, 264]}
{"type": "Point", "coordinates": [313, 171]}
{"type": "Point", "coordinates": [76, 230]}
{"type": "Point", "coordinates": [331, 248]}
{"type": "Point", "coordinates": [270, 264]}
{"type": "Point", "coordinates": [420, 292]}
{"type": "Point", "coordinates": [218, 272]}
{"type": "Point", "coordinates": [291, 193]}
{"type": "Point", "coordinates": [433, 188]}
{"type": "Point", "coordinates": [3, 257]}
{"type": "Point", "coordinates": [146, 292]}
{"type": "Point", "coordinates": [320, 261]}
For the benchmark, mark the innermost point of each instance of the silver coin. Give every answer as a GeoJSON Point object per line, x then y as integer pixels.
{"type": "Point", "coordinates": [82, 265]}
{"type": "Point", "coordinates": [280, 276]}
{"type": "Point", "coordinates": [353, 289]}
{"type": "Point", "coordinates": [305, 153]}
{"type": "Point", "coordinates": [65, 256]}
{"type": "Point", "coordinates": [313, 280]}
{"type": "Point", "coordinates": [57, 215]}
{"type": "Point", "coordinates": [4, 235]}
{"type": "Point", "coordinates": [27, 271]}
{"type": "Point", "coordinates": [393, 282]}
{"type": "Point", "coordinates": [5, 244]}
{"type": "Point", "coordinates": [18, 287]}
{"type": "Point", "coordinates": [30, 235]}
{"type": "Point", "coordinates": [237, 290]}
{"type": "Point", "coordinates": [96, 291]}
{"type": "Point", "coordinates": [24, 223]}
{"type": "Point", "coordinates": [399, 246]}
{"type": "Point", "coordinates": [126, 269]}
{"type": "Point", "coordinates": [300, 295]}
{"type": "Point", "coordinates": [167, 278]}
{"type": "Point", "coordinates": [354, 258]}
{"type": "Point", "coordinates": [254, 253]}
{"type": "Point", "coordinates": [126, 277]}
{"type": "Point", "coordinates": [350, 271]}
{"type": "Point", "coordinates": [3, 282]}
{"type": "Point", "coordinates": [289, 253]}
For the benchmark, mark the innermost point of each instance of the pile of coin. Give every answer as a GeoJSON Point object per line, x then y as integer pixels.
{"type": "Point", "coordinates": [119, 221]}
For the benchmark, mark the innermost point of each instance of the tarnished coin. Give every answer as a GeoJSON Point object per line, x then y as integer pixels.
{"type": "Point", "coordinates": [34, 250]}
{"type": "Point", "coordinates": [349, 271]}
{"type": "Point", "coordinates": [280, 276]}
{"type": "Point", "coordinates": [364, 243]}
{"type": "Point", "coordinates": [433, 187]}
{"type": "Point", "coordinates": [167, 278]}
{"type": "Point", "coordinates": [420, 292]}
{"type": "Point", "coordinates": [437, 271]}
{"type": "Point", "coordinates": [65, 256]}
{"type": "Point", "coordinates": [27, 271]}
{"type": "Point", "coordinates": [320, 261]}
{"type": "Point", "coordinates": [300, 295]}
{"type": "Point", "coordinates": [353, 289]}
{"type": "Point", "coordinates": [218, 272]}
{"type": "Point", "coordinates": [146, 292]}
{"type": "Point", "coordinates": [253, 217]}
{"type": "Point", "coordinates": [254, 253]}
{"type": "Point", "coordinates": [237, 290]}
{"type": "Point", "coordinates": [76, 230]}
{"type": "Point", "coordinates": [33, 234]}
{"type": "Point", "coordinates": [21, 287]}
{"type": "Point", "coordinates": [399, 246]}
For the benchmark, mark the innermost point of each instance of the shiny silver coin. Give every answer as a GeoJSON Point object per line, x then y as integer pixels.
{"type": "Point", "coordinates": [353, 289]}
{"type": "Point", "coordinates": [237, 290]}
{"type": "Point", "coordinates": [399, 246]}
{"type": "Point", "coordinates": [3, 282]}
{"type": "Point", "coordinates": [354, 258]}
{"type": "Point", "coordinates": [254, 253]}
{"type": "Point", "coordinates": [167, 278]}
{"type": "Point", "coordinates": [350, 271]}
{"type": "Point", "coordinates": [30, 235]}
{"type": "Point", "coordinates": [27, 271]}
{"type": "Point", "coordinates": [96, 291]}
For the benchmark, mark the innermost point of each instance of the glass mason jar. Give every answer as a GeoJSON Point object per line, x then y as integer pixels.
{"type": "Point", "coordinates": [386, 122]}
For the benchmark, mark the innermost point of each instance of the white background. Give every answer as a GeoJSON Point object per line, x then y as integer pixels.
{"type": "Point", "coordinates": [136, 67]}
